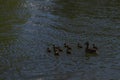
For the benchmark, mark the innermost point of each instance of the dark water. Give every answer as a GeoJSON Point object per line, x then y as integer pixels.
{"type": "Point", "coordinates": [27, 27]}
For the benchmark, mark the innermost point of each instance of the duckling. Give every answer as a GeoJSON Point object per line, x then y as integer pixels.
{"type": "Point", "coordinates": [68, 51]}
{"type": "Point", "coordinates": [48, 50]}
{"type": "Point", "coordinates": [60, 49]}
{"type": "Point", "coordinates": [68, 47]}
{"type": "Point", "coordinates": [95, 47]}
{"type": "Point", "coordinates": [89, 50]}
{"type": "Point", "coordinates": [56, 52]}
{"type": "Point", "coordinates": [79, 46]}
{"type": "Point", "coordinates": [65, 45]}
{"type": "Point", "coordinates": [54, 47]}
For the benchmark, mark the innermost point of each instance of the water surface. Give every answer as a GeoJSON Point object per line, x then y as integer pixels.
{"type": "Point", "coordinates": [28, 27]}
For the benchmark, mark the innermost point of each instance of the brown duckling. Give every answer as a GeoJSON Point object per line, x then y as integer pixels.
{"type": "Point", "coordinates": [54, 47]}
{"type": "Point", "coordinates": [68, 51]}
{"type": "Point", "coordinates": [58, 48]}
{"type": "Point", "coordinates": [56, 52]}
{"type": "Point", "coordinates": [48, 50]}
{"type": "Point", "coordinates": [65, 45]}
{"type": "Point", "coordinates": [79, 46]}
{"type": "Point", "coordinates": [68, 47]}
{"type": "Point", "coordinates": [95, 47]}
{"type": "Point", "coordinates": [89, 50]}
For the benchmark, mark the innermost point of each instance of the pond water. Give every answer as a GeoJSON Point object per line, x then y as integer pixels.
{"type": "Point", "coordinates": [28, 27]}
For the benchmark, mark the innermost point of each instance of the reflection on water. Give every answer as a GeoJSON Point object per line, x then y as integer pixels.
{"type": "Point", "coordinates": [27, 27]}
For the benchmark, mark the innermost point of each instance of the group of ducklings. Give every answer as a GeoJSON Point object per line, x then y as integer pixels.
{"type": "Point", "coordinates": [58, 49]}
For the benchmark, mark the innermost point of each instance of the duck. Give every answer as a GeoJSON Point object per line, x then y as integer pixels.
{"type": "Point", "coordinates": [57, 47]}
{"type": "Point", "coordinates": [56, 52]}
{"type": "Point", "coordinates": [95, 47]}
{"type": "Point", "coordinates": [67, 46]}
{"type": "Point", "coordinates": [54, 47]}
{"type": "Point", "coordinates": [48, 50]}
{"type": "Point", "coordinates": [68, 51]}
{"type": "Point", "coordinates": [79, 46]}
{"type": "Point", "coordinates": [90, 50]}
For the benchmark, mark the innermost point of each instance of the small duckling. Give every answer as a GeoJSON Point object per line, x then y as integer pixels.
{"type": "Point", "coordinates": [68, 47]}
{"type": "Point", "coordinates": [65, 45]}
{"type": "Point", "coordinates": [60, 49]}
{"type": "Point", "coordinates": [54, 47]}
{"type": "Point", "coordinates": [79, 46]}
{"type": "Point", "coordinates": [95, 47]}
{"type": "Point", "coordinates": [56, 53]}
{"type": "Point", "coordinates": [48, 50]}
{"type": "Point", "coordinates": [68, 51]}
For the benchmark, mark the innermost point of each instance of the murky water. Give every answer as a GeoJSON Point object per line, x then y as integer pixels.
{"type": "Point", "coordinates": [28, 27]}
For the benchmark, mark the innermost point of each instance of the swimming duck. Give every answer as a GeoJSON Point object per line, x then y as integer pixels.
{"type": "Point", "coordinates": [89, 50]}
{"type": "Point", "coordinates": [58, 48]}
{"type": "Point", "coordinates": [68, 47]}
{"type": "Point", "coordinates": [65, 45]}
{"type": "Point", "coordinates": [48, 50]}
{"type": "Point", "coordinates": [54, 47]}
{"type": "Point", "coordinates": [79, 46]}
{"type": "Point", "coordinates": [95, 47]}
{"type": "Point", "coordinates": [68, 51]}
{"type": "Point", "coordinates": [56, 52]}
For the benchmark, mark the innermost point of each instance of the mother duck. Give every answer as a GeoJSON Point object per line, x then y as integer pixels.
{"type": "Point", "coordinates": [90, 50]}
